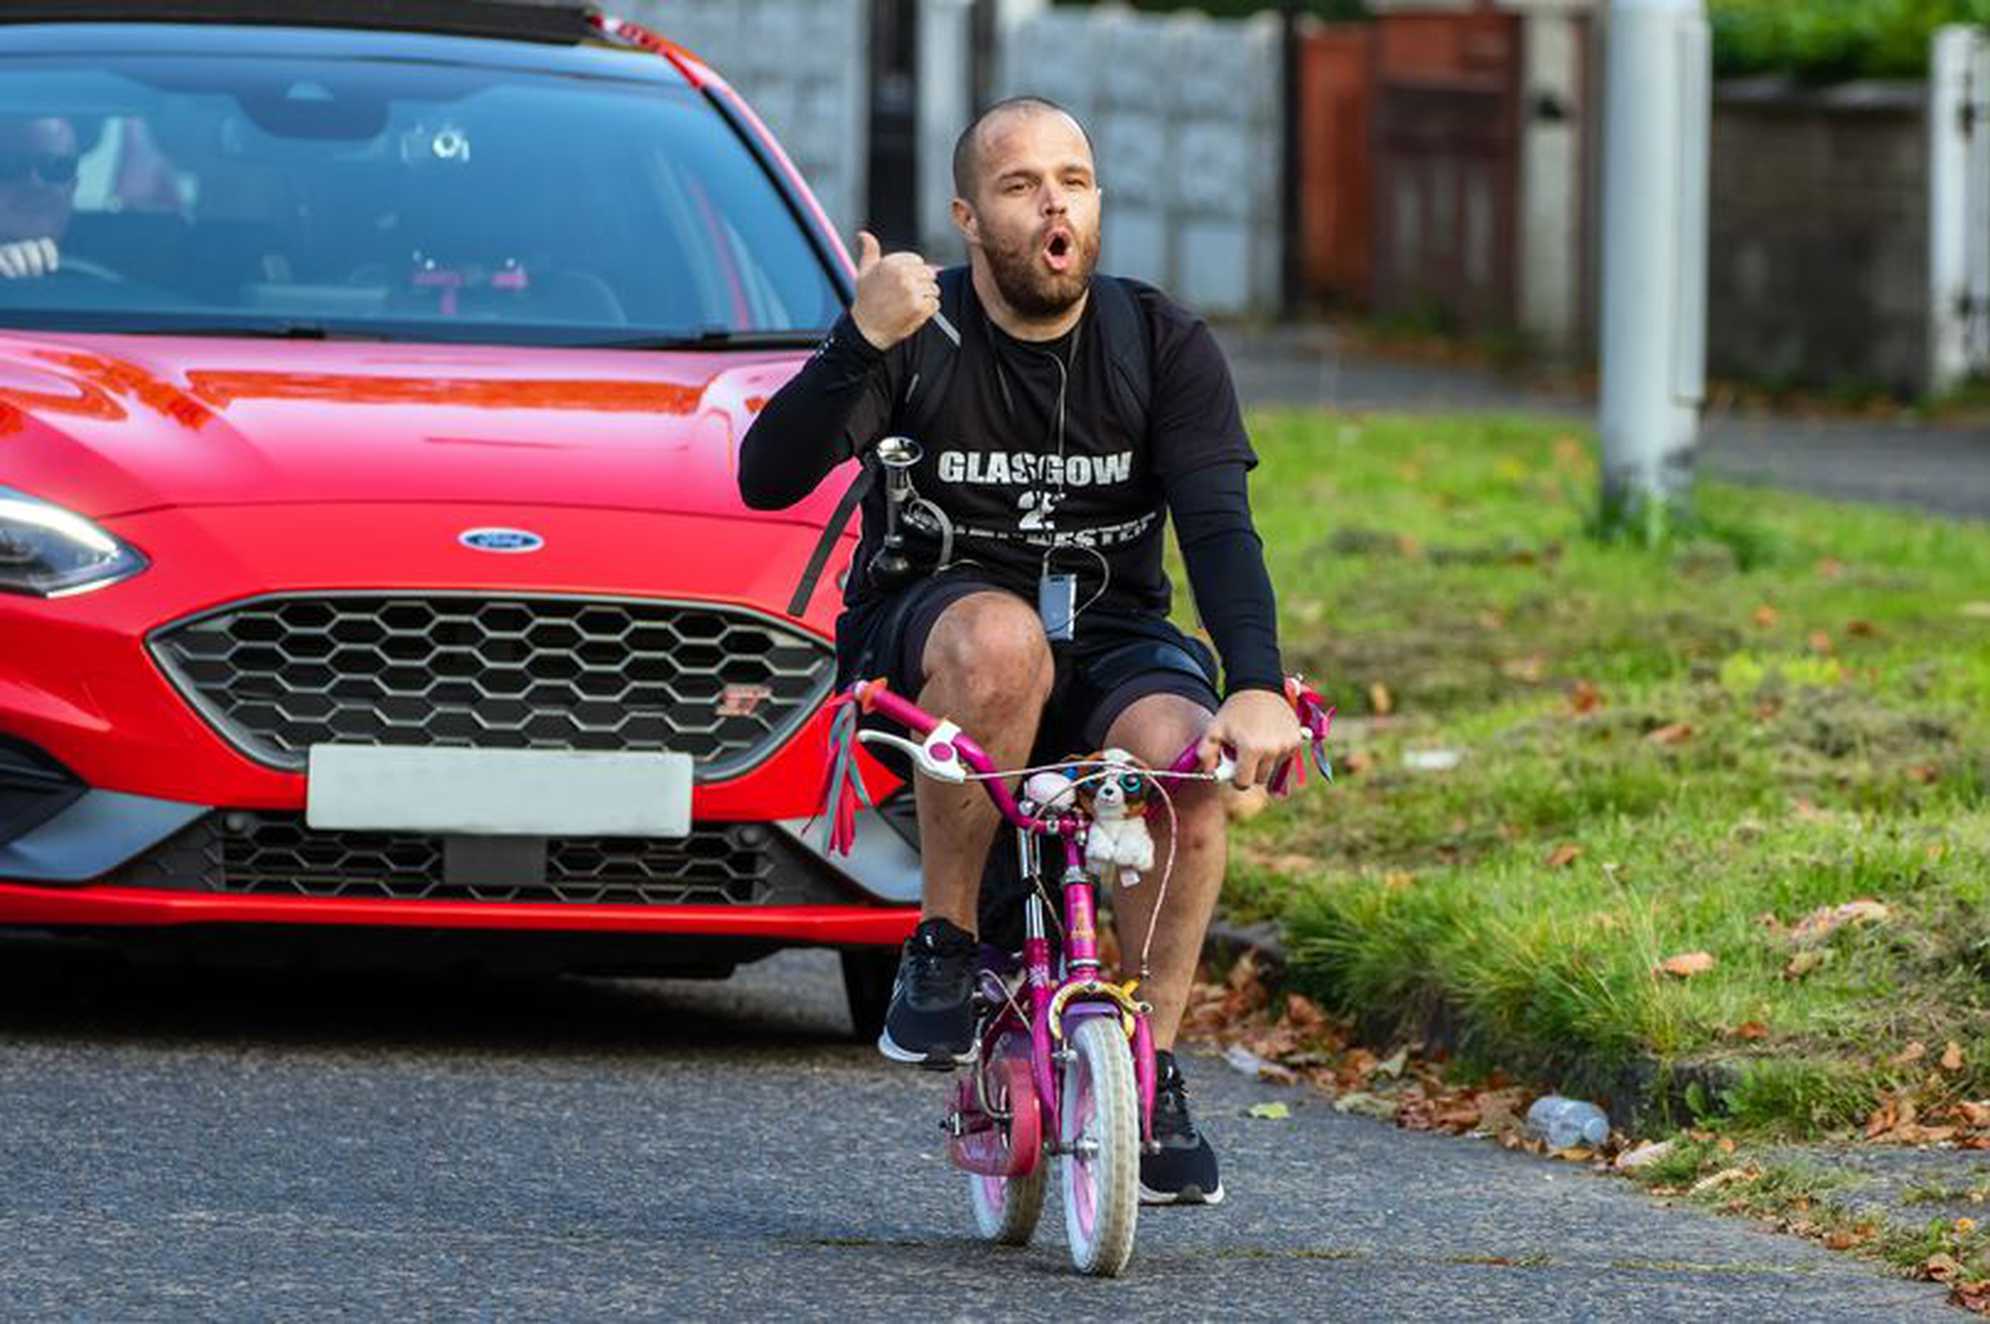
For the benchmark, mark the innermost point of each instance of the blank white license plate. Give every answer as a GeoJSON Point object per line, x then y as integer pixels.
{"type": "Point", "coordinates": [499, 792]}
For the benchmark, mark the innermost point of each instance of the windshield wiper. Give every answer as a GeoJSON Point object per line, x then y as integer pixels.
{"type": "Point", "coordinates": [712, 337]}
{"type": "Point", "coordinates": [269, 331]}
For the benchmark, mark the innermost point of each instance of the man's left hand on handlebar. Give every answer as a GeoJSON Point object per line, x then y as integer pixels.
{"type": "Point", "coordinates": [1258, 726]}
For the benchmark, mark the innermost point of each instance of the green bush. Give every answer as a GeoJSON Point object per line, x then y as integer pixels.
{"type": "Point", "coordinates": [1823, 41]}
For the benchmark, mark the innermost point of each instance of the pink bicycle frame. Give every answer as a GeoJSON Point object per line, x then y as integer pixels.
{"type": "Point", "coordinates": [1080, 907]}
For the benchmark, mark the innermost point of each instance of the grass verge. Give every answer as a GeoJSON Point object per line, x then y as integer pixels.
{"type": "Point", "coordinates": [1822, 1202]}
{"type": "Point", "coordinates": [1566, 762]}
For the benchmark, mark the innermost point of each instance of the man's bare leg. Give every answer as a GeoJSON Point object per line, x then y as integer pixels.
{"type": "Point", "coordinates": [987, 667]}
{"type": "Point", "coordinates": [1155, 730]}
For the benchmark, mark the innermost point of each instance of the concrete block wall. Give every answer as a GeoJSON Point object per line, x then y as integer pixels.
{"type": "Point", "coordinates": [1818, 243]}
{"type": "Point", "coordinates": [1186, 117]}
{"type": "Point", "coordinates": [803, 67]}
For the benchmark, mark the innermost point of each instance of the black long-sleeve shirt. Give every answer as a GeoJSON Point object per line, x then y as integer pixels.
{"type": "Point", "coordinates": [1019, 488]}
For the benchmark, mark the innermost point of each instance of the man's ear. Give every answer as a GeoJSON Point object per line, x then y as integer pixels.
{"type": "Point", "coordinates": [967, 222]}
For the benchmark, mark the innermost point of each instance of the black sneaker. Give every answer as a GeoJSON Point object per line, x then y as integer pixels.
{"type": "Point", "coordinates": [1184, 1171]}
{"type": "Point", "coordinates": [931, 1017]}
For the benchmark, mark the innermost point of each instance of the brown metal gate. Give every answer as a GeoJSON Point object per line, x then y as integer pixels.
{"type": "Point", "coordinates": [1336, 174]}
{"type": "Point", "coordinates": [1446, 154]}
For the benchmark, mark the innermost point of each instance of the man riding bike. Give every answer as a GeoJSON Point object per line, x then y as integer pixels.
{"type": "Point", "coordinates": [1035, 613]}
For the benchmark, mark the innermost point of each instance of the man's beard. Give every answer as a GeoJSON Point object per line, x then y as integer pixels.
{"type": "Point", "coordinates": [1028, 288]}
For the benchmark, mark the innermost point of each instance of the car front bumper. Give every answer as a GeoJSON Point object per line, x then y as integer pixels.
{"type": "Point", "coordinates": [84, 687]}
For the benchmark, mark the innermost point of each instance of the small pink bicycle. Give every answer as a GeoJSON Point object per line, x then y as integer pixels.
{"type": "Point", "coordinates": [1067, 1070]}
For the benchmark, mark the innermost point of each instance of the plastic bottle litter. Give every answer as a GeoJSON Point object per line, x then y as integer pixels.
{"type": "Point", "coordinates": [1567, 1123]}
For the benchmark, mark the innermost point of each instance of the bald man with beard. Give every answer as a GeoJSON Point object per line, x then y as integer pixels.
{"type": "Point", "coordinates": [1053, 493]}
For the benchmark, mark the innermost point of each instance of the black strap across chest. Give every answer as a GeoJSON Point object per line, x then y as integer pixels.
{"type": "Point", "coordinates": [936, 354]}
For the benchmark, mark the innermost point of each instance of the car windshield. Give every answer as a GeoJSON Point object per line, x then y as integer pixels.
{"type": "Point", "coordinates": [398, 199]}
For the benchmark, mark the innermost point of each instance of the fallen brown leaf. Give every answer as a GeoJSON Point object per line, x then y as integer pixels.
{"type": "Point", "coordinates": [1819, 924]}
{"type": "Point", "coordinates": [1686, 964]}
{"type": "Point", "coordinates": [1303, 1013]}
{"type": "Point", "coordinates": [1820, 643]}
{"type": "Point", "coordinates": [1725, 1177]}
{"type": "Point", "coordinates": [1803, 963]}
{"type": "Point", "coordinates": [1585, 697]}
{"type": "Point", "coordinates": [1862, 629]}
{"type": "Point", "coordinates": [1357, 761]}
{"type": "Point", "coordinates": [1766, 616]}
{"type": "Point", "coordinates": [1845, 1238]}
{"type": "Point", "coordinates": [1952, 1057]}
{"type": "Point", "coordinates": [1379, 698]}
{"type": "Point", "coordinates": [1646, 1154]}
{"type": "Point", "coordinates": [1676, 733]}
{"type": "Point", "coordinates": [1941, 1267]}
{"type": "Point", "coordinates": [1460, 1117]}
{"type": "Point", "coordinates": [1909, 1055]}
{"type": "Point", "coordinates": [1529, 669]}
{"type": "Point", "coordinates": [1561, 857]}
{"type": "Point", "coordinates": [1924, 773]}
{"type": "Point", "coordinates": [1398, 879]}
{"type": "Point", "coordinates": [1751, 1030]}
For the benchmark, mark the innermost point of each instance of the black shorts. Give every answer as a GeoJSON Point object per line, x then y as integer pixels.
{"type": "Point", "coordinates": [1114, 661]}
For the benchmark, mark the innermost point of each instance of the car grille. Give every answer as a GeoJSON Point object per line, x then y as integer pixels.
{"type": "Point", "coordinates": [278, 675]}
{"type": "Point", "coordinates": [276, 854]}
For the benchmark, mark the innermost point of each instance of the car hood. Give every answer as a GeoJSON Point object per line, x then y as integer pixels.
{"type": "Point", "coordinates": [109, 425]}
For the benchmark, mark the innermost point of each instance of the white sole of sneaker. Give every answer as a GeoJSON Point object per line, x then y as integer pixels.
{"type": "Point", "coordinates": [936, 1061]}
{"type": "Point", "coordinates": [1187, 1195]}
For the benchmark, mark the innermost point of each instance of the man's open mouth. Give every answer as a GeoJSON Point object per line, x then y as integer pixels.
{"type": "Point", "coordinates": [1058, 249]}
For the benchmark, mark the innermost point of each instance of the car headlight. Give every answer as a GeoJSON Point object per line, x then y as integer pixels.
{"type": "Point", "coordinates": [50, 552]}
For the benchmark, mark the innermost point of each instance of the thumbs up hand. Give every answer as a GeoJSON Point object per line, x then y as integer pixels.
{"type": "Point", "coordinates": [896, 295]}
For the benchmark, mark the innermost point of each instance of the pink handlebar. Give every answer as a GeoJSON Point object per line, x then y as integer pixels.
{"type": "Point", "coordinates": [938, 756]}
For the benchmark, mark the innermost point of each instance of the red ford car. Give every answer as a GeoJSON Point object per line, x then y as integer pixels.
{"type": "Point", "coordinates": [370, 552]}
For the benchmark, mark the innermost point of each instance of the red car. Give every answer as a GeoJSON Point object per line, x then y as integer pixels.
{"type": "Point", "coordinates": [370, 551]}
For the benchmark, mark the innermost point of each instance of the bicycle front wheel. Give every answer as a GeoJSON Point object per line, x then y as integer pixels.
{"type": "Point", "coordinates": [1099, 1127]}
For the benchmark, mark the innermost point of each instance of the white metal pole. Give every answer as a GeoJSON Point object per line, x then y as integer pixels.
{"type": "Point", "coordinates": [1952, 50]}
{"type": "Point", "coordinates": [1656, 121]}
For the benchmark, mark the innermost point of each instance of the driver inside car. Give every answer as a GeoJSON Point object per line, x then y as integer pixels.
{"type": "Point", "coordinates": [37, 193]}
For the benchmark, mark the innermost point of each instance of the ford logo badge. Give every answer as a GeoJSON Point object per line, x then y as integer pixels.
{"type": "Point", "coordinates": [501, 540]}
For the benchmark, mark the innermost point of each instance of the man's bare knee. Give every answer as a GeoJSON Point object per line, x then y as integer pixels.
{"type": "Point", "coordinates": [989, 648]}
{"type": "Point", "coordinates": [1156, 728]}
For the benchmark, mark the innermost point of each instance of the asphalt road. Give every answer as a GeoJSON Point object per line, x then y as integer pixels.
{"type": "Point", "coordinates": [1939, 468]}
{"type": "Point", "coordinates": [233, 1146]}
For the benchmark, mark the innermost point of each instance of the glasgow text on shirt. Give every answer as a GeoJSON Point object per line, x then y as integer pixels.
{"type": "Point", "coordinates": [1006, 468]}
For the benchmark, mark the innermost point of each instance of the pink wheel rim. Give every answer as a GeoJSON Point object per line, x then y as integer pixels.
{"type": "Point", "coordinates": [1080, 1108]}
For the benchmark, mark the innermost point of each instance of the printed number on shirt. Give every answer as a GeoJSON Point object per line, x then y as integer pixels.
{"type": "Point", "coordinates": [1039, 510]}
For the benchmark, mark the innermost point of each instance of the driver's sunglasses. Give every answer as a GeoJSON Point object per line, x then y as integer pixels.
{"type": "Point", "coordinates": [48, 167]}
